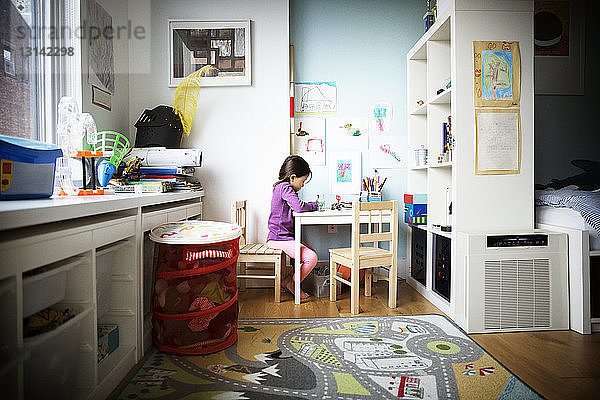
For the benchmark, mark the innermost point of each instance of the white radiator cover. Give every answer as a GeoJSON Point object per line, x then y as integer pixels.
{"type": "Point", "coordinates": [511, 289]}
{"type": "Point", "coordinates": [517, 294]}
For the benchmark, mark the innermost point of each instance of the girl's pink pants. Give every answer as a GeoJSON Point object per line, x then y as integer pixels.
{"type": "Point", "coordinates": [308, 257]}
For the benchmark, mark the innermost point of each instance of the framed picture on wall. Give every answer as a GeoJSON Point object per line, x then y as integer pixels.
{"type": "Point", "coordinates": [222, 45]}
{"type": "Point", "coordinates": [559, 47]}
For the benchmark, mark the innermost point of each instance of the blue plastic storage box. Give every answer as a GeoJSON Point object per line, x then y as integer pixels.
{"type": "Point", "coordinates": [26, 168]}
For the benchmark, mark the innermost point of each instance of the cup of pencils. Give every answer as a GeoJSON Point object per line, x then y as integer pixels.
{"type": "Point", "coordinates": [371, 189]}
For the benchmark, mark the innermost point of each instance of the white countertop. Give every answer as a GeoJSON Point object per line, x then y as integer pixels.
{"type": "Point", "coordinates": [21, 213]}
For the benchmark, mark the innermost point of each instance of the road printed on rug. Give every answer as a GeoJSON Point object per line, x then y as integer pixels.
{"type": "Point", "coordinates": [403, 357]}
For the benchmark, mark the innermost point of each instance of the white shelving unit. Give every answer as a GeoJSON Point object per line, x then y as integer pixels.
{"type": "Point", "coordinates": [479, 202]}
{"type": "Point", "coordinates": [91, 265]}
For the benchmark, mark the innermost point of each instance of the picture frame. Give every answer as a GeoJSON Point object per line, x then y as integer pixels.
{"type": "Point", "coordinates": [101, 98]}
{"type": "Point", "coordinates": [223, 44]}
{"type": "Point", "coordinates": [559, 47]}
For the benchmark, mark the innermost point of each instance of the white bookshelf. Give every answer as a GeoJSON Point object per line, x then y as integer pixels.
{"type": "Point", "coordinates": [479, 203]}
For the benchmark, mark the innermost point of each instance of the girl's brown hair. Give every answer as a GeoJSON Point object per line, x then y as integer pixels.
{"type": "Point", "coordinates": [293, 165]}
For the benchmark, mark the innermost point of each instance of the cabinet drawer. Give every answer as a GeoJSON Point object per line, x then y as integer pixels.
{"type": "Point", "coordinates": [49, 251]}
{"type": "Point", "coordinates": [112, 233]}
{"type": "Point", "coordinates": [150, 221]}
{"type": "Point", "coordinates": [194, 210]}
{"type": "Point", "coordinates": [177, 215]}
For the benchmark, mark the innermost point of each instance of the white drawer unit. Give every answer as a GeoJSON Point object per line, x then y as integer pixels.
{"type": "Point", "coordinates": [84, 255]}
{"type": "Point", "coordinates": [177, 215]}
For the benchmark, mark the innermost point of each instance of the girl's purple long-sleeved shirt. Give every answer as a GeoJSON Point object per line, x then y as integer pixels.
{"type": "Point", "coordinates": [285, 201]}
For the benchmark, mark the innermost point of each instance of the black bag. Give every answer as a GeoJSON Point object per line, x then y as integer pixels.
{"type": "Point", "coordinates": [159, 127]}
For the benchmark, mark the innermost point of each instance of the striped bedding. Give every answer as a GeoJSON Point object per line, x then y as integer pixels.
{"type": "Point", "coordinates": [585, 203]}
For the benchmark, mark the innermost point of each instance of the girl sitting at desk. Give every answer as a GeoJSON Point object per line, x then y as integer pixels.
{"type": "Point", "coordinates": [293, 174]}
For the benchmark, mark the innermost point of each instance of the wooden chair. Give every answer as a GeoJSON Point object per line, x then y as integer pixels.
{"type": "Point", "coordinates": [360, 257]}
{"type": "Point", "coordinates": [256, 253]}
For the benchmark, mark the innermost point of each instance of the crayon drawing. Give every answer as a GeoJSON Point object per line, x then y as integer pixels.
{"type": "Point", "coordinates": [496, 77]}
{"type": "Point", "coordinates": [309, 139]}
{"type": "Point", "coordinates": [344, 172]}
{"type": "Point", "coordinates": [315, 97]}
{"type": "Point", "coordinates": [496, 74]}
{"type": "Point", "coordinates": [387, 151]}
{"type": "Point", "coordinates": [381, 118]}
{"type": "Point", "coordinates": [347, 133]}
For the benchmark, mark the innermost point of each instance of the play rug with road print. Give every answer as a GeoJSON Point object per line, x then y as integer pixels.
{"type": "Point", "coordinates": [406, 357]}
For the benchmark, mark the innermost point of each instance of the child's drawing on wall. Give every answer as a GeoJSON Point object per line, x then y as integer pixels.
{"type": "Point", "coordinates": [347, 133]}
{"type": "Point", "coordinates": [496, 77]}
{"type": "Point", "coordinates": [309, 139]}
{"type": "Point", "coordinates": [388, 151]}
{"type": "Point", "coordinates": [381, 118]}
{"type": "Point", "coordinates": [345, 170]}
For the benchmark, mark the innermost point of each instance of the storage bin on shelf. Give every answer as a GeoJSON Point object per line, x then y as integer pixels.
{"type": "Point", "coordinates": [51, 371]}
{"type": "Point", "coordinates": [26, 168]}
{"type": "Point", "coordinates": [46, 285]}
{"type": "Point", "coordinates": [194, 305]}
{"type": "Point", "coordinates": [415, 209]}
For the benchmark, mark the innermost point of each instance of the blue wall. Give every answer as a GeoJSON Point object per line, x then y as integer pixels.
{"type": "Point", "coordinates": [361, 45]}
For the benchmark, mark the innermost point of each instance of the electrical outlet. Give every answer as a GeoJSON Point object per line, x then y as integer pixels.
{"type": "Point", "coordinates": [331, 228]}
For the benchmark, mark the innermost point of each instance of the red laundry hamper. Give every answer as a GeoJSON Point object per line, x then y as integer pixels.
{"type": "Point", "coordinates": [194, 305]}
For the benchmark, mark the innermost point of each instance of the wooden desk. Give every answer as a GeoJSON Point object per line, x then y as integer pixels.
{"type": "Point", "coordinates": [327, 217]}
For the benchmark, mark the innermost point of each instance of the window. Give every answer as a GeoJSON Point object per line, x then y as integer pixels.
{"type": "Point", "coordinates": [34, 73]}
{"type": "Point", "coordinates": [18, 109]}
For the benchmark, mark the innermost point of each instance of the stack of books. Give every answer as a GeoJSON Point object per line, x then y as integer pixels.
{"type": "Point", "coordinates": [163, 179]}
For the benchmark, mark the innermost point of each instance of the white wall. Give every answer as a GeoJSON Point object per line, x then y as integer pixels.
{"type": "Point", "coordinates": [118, 118]}
{"type": "Point", "coordinates": [243, 131]}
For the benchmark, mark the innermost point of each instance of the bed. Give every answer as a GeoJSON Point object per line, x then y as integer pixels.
{"type": "Point", "coordinates": [577, 213]}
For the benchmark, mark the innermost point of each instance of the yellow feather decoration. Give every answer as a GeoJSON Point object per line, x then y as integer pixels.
{"type": "Point", "coordinates": [186, 96]}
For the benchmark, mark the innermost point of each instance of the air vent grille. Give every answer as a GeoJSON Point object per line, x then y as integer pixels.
{"type": "Point", "coordinates": [517, 294]}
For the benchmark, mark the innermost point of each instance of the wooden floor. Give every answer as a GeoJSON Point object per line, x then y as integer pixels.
{"type": "Point", "coordinates": [557, 364]}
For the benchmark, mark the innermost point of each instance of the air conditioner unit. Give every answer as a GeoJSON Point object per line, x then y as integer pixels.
{"type": "Point", "coordinates": [508, 282]}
